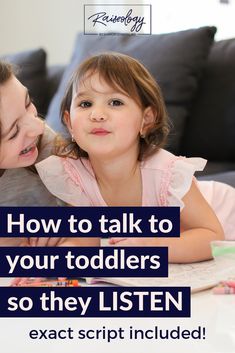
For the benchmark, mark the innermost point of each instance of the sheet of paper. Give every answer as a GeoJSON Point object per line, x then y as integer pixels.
{"type": "Point", "coordinates": [198, 276]}
{"type": "Point", "coordinates": [5, 282]}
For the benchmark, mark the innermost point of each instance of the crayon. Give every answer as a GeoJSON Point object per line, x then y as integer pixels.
{"type": "Point", "coordinates": [223, 290]}
{"type": "Point", "coordinates": [228, 283]}
{"type": "Point", "coordinates": [66, 283]}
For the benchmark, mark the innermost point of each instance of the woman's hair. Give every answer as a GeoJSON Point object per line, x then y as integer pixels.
{"type": "Point", "coordinates": [6, 71]}
{"type": "Point", "coordinates": [124, 73]}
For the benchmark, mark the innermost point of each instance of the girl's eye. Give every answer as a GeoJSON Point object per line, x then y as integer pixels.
{"type": "Point", "coordinates": [116, 103]}
{"type": "Point", "coordinates": [85, 104]}
{"type": "Point", "coordinates": [15, 133]}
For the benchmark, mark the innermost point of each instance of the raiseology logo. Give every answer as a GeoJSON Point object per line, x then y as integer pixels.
{"type": "Point", "coordinates": [117, 19]}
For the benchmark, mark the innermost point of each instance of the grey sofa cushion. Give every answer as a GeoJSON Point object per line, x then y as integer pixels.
{"type": "Point", "coordinates": [217, 167]}
{"type": "Point", "coordinates": [210, 131]}
{"type": "Point", "coordinates": [175, 60]}
{"type": "Point", "coordinates": [31, 67]}
{"type": "Point", "coordinates": [227, 178]}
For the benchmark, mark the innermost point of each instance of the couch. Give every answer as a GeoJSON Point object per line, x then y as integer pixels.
{"type": "Point", "coordinates": [197, 77]}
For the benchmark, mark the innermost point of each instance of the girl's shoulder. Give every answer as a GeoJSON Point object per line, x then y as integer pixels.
{"type": "Point", "coordinates": [159, 160]}
{"type": "Point", "coordinates": [64, 178]}
{"type": "Point", "coordinates": [170, 176]}
{"type": "Point", "coordinates": [54, 165]}
{"type": "Point", "coordinates": [166, 161]}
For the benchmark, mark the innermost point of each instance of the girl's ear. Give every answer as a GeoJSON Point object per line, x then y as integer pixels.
{"type": "Point", "coordinates": [67, 121]}
{"type": "Point", "coordinates": [149, 118]}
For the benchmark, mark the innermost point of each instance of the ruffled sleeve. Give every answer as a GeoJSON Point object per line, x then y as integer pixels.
{"type": "Point", "coordinates": [179, 177]}
{"type": "Point", "coordinates": [59, 182]}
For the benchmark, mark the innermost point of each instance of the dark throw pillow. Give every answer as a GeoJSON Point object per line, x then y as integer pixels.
{"type": "Point", "coordinates": [174, 59]}
{"type": "Point", "coordinates": [210, 131]}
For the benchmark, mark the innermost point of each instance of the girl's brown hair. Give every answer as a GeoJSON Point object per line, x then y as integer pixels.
{"type": "Point", "coordinates": [127, 74]}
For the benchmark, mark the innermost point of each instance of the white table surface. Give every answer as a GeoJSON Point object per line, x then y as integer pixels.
{"type": "Point", "coordinates": [214, 312]}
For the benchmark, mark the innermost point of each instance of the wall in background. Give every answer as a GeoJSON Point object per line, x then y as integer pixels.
{"type": "Point", "coordinates": [174, 15]}
{"type": "Point", "coordinates": [53, 24]}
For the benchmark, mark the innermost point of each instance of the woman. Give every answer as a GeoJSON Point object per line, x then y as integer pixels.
{"type": "Point", "coordinates": [24, 140]}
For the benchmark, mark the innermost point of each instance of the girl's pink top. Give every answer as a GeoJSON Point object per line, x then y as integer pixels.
{"type": "Point", "coordinates": [166, 179]}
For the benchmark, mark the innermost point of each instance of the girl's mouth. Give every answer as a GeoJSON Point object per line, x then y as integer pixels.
{"type": "Point", "coordinates": [100, 132]}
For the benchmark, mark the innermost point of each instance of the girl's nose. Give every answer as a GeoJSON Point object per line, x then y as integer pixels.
{"type": "Point", "coordinates": [97, 115]}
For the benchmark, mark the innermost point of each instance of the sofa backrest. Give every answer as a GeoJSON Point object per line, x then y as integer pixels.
{"type": "Point", "coordinates": [175, 60]}
{"type": "Point", "coordinates": [210, 128]}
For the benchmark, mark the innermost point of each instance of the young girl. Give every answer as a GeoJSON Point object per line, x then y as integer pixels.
{"type": "Point", "coordinates": [24, 139]}
{"type": "Point", "coordinates": [115, 114]}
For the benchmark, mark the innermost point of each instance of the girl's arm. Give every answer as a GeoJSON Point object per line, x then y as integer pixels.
{"type": "Point", "coordinates": [79, 242]}
{"type": "Point", "coordinates": [199, 226]}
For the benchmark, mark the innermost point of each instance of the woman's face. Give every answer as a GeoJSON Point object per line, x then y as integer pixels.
{"type": "Point", "coordinates": [20, 126]}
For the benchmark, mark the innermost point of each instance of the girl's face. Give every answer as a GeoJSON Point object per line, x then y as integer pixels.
{"type": "Point", "coordinates": [105, 122]}
{"type": "Point", "coordinates": [20, 127]}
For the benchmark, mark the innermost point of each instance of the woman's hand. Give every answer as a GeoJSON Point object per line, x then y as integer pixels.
{"type": "Point", "coordinates": [21, 281]}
